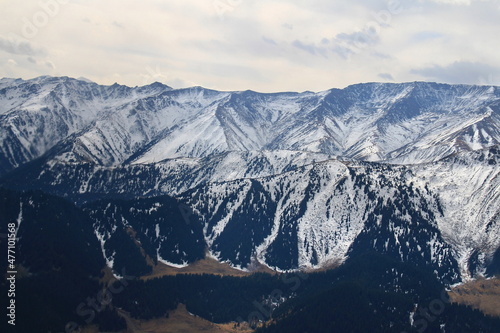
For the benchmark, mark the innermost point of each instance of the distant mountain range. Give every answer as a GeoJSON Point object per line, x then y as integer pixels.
{"type": "Point", "coordinates": [288, 180]}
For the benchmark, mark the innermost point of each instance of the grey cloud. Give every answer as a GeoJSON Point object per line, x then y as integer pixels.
{"type": "Point", "coordinates": [359, 38]}
{"type": "Point", "coordinates": [426, 35]}
{"type": "Point", "coordinates": [269, 40]}
{"type": "Point", "coordinates": [348, 44]}
{"type": "Point", "coordinates": [461, 72]}
{"type": "Point", "coordinates": [453, 2]}
{"type": "Point", "coordinates": [343, 44]}
{"type": "Point", "coordinates": [310, 48]}
{"type": "Point", "coordinates": [381, 55]}
{"type": "Point", "coordinates": [386, 76]}
{"type": "Point", "coordinates": [305, 47]}
{"type": "Point", "coordinates": [343, 51]}
{"type": "Point", "coordinates": [10, 45]}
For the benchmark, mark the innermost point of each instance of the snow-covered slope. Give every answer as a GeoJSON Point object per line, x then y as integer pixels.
{"type": "Point", "coordinates": [112, 125]}
{"type": "Point", "coordinates": [36, 115]}
{"type": "Point", "coordinates": [314, 216]}
{"type": "Point", "coordinates": [468, 188]}
{"type": "Point", "coordinates": [91, 181]}
{"type": "Point", "coordinates": [292, 180]}
{"type": "Point", "coordinates": [442, 216]}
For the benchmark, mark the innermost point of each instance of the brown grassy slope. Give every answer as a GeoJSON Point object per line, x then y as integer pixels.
{"type": "Point", "coordinates": [204, 266]}
{"type": "Point", "coordinates": [480, 294]}
{"type": "Point", "coordinates": [181, 321]}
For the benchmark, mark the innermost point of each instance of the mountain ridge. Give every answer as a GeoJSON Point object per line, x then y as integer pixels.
{"type": "Point", "coordinates": [116, 125]}
{"type": "Point", "coordinates": [292, 180]}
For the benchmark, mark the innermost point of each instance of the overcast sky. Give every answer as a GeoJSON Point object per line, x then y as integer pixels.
{"type": "Point", "coordinates": [262, 45]}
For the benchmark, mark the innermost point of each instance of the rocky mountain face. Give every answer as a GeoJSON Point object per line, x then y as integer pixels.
{"type": "Point", "coordinates": [288, 180]}
{"type": "Point", "coordinates": [116, 125]}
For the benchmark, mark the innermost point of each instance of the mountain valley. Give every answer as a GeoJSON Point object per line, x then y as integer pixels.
{"type": "Point", "coordinates": [396, 186]}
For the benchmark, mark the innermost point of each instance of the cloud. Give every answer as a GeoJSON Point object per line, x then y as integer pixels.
{"type": "Point", "coordinates": [269, 40]}
{"type": "Point", "coordinates": [380, 55]}
{"type": "Point", "coordinates": [454, 2]}
{"type": "Point", "coordinates": [423, 36]}
{"type": "Point", "coordinates": [344, 44]}
{"type": "Point", "coordinates": [117, 24]}
{"type": "Point", "coordinates": [310, 48]}
{"type": "Point", "coordinates": [10, 45]}
{"type": "Point", "coordinates": [461, 72]}
{"type": "Point", "coordinates": [350, 43]}
{"type": "Point", "coordinates": [258, 45]}
{"type": "Point", "coordinates": [386, 76]}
